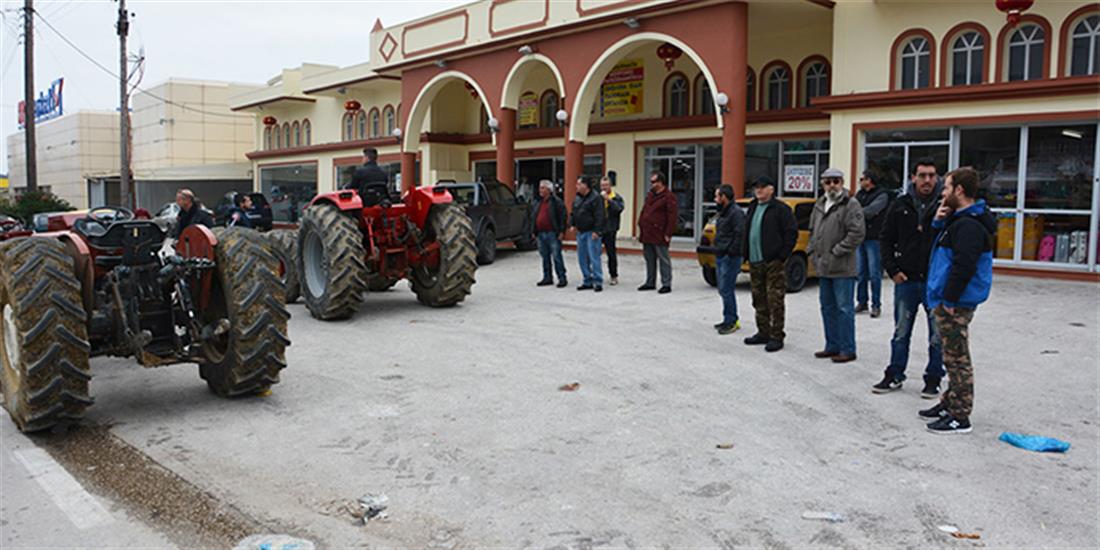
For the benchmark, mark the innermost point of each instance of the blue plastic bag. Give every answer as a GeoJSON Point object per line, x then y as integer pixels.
{"type": "Point", "coordinates": [1035, 443]}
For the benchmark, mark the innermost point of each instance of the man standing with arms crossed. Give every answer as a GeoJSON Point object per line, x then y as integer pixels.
{"type": "Point", "coordinates": [906, 241]}
{"type": "Point", "coordinates": [770, 235]}
{"type": "Point", "coordinates": [960, 277]}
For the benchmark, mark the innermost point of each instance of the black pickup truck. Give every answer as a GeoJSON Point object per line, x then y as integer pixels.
{"type": "Point", "coordinates": [496, 215]}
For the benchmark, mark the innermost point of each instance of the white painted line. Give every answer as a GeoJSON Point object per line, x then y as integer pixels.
{"type": "Point", "coordinates": [83, 510]}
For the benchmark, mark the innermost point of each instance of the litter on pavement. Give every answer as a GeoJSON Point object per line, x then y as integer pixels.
{"type": "Point", "coordinates": [373, 506]}
{"type": "Point", "coordinates": [570, 387]}
{"type": "Point", "coordinates": [273, 542]}
{"type": "Point", "coordinates": [1035, 443]}
{"type": "Point", "coordinates": [823, 516]}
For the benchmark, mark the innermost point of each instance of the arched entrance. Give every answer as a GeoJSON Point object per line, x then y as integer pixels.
{"type": "Point", "coordinates": [533, 93]}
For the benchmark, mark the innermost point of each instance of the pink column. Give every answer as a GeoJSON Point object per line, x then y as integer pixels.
{"type": "Point", "coordinates": [506, 147]}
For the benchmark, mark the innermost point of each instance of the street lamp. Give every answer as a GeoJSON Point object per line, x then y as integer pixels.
{"type": "Point", "coordinates": [562, 116]}
{"type": "Point", "coordinates": [494, 125]}
{"type": "Point", "coordinates": [723, 101]}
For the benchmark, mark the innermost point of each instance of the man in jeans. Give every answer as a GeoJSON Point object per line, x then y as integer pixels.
{"type": "Point", "coordinates": [547, 221]}
{"type": "Point", "coordinates": [836, 231]}
{"type": "Point", "coordinates": [960, 277]}
{"type": "Point", "coordinates": [613, 208]}
{"type": "Point", "coordinates": [656, 223]}
{"type": "Point", "coordinates": [728, 234]}
{"type": "Point", "coordinates": [588, 219]}
{"type": "Point", "coordinates": [874, 201]}
{"type": "Point", "coordinates": [770, 235]}
{"type": "Point", "coordinates": [906, 240]}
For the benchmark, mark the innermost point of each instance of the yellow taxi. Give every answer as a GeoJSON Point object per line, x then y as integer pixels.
{"type": "Point", "coordinates": [798, 269]}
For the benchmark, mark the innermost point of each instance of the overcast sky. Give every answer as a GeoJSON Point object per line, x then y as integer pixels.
{"type": "Point", "coordinates": [210, 40]}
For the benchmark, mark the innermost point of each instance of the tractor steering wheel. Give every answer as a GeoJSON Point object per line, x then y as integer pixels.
{"type": "Point", "coordinates": [110, 214]}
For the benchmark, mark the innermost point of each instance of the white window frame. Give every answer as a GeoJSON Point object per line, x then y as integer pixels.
{"type": "Point", "coordinates": [1093, 35]}
{"type": "Point", "coordinates": [972, 49]}
{"type": "Point", "coordinates": [1019, 40]}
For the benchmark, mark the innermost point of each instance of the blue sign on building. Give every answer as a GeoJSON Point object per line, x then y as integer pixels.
{"type": "Point", "coordinates": [48, 106]}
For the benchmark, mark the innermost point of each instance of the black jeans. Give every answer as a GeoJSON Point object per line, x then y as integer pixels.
{"type": "Point", "coordinates": [612, 254]}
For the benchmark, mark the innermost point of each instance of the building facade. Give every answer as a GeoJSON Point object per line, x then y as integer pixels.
{"type": "Point", "coordinates": [713, 92]}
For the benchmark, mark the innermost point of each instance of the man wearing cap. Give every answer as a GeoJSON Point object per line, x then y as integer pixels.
{"type": "Point", "coordinates": [874, 201]}
{"type": "Point", "coordinates": [770, 235]}
{"type": "Point", "coordinates": [836, 231]}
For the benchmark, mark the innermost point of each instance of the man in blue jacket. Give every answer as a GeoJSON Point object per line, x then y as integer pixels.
{"type": "Point", "coordinates": [960, 276]}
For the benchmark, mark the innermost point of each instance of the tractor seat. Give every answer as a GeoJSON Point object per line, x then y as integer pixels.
{"type": "Point", "coordinates": [131, 242]}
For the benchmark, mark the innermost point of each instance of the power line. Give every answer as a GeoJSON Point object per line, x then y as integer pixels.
{"type": "Point", "coordinates": [116, 77]}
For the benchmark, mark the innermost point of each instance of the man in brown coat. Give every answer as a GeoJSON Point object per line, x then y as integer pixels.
{"type": "Point", "coordinates": [656, 224]}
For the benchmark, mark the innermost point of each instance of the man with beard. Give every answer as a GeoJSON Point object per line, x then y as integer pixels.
{"type": "Point", "coordinates": [959, 278]}
{"type": "Point", "coordinates": [836, 230]}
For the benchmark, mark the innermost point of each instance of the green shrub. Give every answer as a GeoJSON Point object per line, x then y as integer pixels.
{"type": "Point", "coordinates": [25, 206]}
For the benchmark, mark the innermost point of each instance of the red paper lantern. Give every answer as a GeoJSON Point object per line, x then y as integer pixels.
{"type": "Point", "coordinates": [670, 53]}
{"type": "Point", "coordinates": [269, 120]}
{"type": "Point", "coordinates": [352, 105]}
{"type": "Point", "coordinates": [1014, 8]}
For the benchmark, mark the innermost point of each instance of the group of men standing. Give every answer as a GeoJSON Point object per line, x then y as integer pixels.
{"type": "Point", "coordinates": [935, 242]}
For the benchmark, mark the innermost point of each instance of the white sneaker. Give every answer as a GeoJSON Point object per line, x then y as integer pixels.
{"type": "Point", "coordinates": [614, 281]}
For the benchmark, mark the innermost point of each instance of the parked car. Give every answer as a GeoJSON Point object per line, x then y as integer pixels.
{"type": "Point", "coordinates": [260, 214]}
{"type": "Point", "coordinates": [798, 270]}
{"type": "Point", "coordinates": [495, 214]}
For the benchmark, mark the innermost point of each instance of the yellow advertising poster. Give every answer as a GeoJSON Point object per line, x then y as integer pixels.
{"type": "Point", "coordinates": [528, 110]}
{"type": "Point", "coordinates": [3, 183]}
{"type": "Point", "coordinates": [621, 93]}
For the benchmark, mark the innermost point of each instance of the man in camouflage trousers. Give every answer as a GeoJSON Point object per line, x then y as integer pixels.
{"type": "Point", "coordinates": [770, 236]}
{"type": "Point", "coordinates": [960, 276]}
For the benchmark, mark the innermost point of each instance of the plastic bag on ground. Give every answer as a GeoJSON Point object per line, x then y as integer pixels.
{"type": "Point", "coordinates": [1035, 443]}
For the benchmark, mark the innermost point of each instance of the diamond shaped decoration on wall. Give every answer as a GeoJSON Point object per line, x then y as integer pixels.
{"type": "Point", "coordinates": [386, 48]}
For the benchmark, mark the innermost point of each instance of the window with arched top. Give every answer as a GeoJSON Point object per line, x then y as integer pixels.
{"type": "Point", "coordinates": [360, 124]}
{"type": "Point", "coordinates": [349, 127]}
{"type": "Point", "coordinates": [375, 123]}
{"type": "Point", "coordinates": [704, 99]}
{"type": "Point", "coordinates": [815, 80]}
{"type": "Point", "coordinates": [777, 87]}
{"type": "Point", "coordinates": [965, 56]}
{"type": "Point", "coordinates": [388, 120]}
{"type": "Point", "coordinates": [913, 61]}
{"type": "Point", "coordinates": [677, 95]}
{"type": "Point", "coordinates": [750, 93]}
{"type": "Point", "coordinates": [286, 134]}
{"type": "Point", "coordinates": [307, 133]}
{"type": "Point", "coordinates": [267, 138]}
{"type": "Point", "coordinates": [1084, 46]}
{"type": "Point", "coordinates": [548, 109]}
{"type": "Point", "coordinates": [1026, 50]}
{"type": "Point", "coordinates": [297, 131]}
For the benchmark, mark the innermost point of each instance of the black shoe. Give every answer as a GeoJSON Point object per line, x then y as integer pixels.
{"type": "Point", "coordinates": [584, 287]}
{"type": "Point", "coordinates": [935, 413]}
{"type": "Point", "coordinates": [948, 425]}
{"type": "Point", "coordinates": [598, 288]}
{"type": "Point", "coordinates": [545, 282]}
{"type": "Point", "coordinates": [563, 283]}
{"type": "Point", "coordinates": [931, 388]}
{"type": "Point", "coordinates": [719, 325]}
{"type": "Point", "coordinates": [647, 287]}
{"type": "Point", "coordinates": [888, 384]}
{"type": "Point", "coordinates": [757, 340]}
{"type": "Point", "coordinates": [844, 358]}
{"type": "Point", "coordinates": [774, 345]}
{"type": "Point", "coordinates": [876, 313]}
{"type": "Point", "coordinates": [665, 290]}
{"type": "Point", "coordinates": [861, 308]}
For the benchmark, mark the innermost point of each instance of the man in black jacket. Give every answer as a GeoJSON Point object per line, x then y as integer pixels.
{"type": "Point", "coordinates": [613, 207]}
{"type": "Point", "coordinates": [906, 239]}
{"type": "Point", "coordinates": [370, 180]}
{"type": "Point", "coordinates": [546, 220]}
{"type": "Point", "coordinates": [589, 220]}
{"type": "Point", "coordinates": [191, 212]}
{"type": "Point", "coordinates": [729, 233]}
{"type": "Point", "coordinates": [770, 235]}
{"type": "Point", "coordinates": [874, 201]}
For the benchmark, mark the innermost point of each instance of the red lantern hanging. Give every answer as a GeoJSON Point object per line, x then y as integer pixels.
{"type": "Point", "coordinates": [471, 89]}
{"type": "Point", "coordinates": [1014, 8]}
{"type": "Point", "coordinates": [269, 120]}
{"type": "Point", "coordinates": [670, 53]}
{"type": "Point", "coordinates": [352, 105]}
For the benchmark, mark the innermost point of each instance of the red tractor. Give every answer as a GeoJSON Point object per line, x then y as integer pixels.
{"type": "Point", "coordinates": [102, 283]}
{"type": "Point", "coordinates": [348, 244]}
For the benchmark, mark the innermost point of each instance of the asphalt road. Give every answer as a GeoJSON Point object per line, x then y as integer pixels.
{"type": "Point", "coordinates": [455, 415]}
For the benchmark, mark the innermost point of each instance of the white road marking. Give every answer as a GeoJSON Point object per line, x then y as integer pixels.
{"type": "Point", "coordinates": [83, 510]}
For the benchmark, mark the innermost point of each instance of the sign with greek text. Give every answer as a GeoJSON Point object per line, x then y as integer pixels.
{"type": "Point", "coordinates": [622, 92]}
{"type": "Point", "coordinates": [798, 178]}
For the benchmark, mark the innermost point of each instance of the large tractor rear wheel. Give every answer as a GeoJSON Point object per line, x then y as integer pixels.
{"type": "Point", "coordinates": [449, 282]}
{"type": "Point", "coordinates": [284, 244]}
{"type": "Point", "coordinates": [44, 350]}
{"type": "Point", "coordinates": [247, 358]}
{"type": "Point", "coordinates": [331, 264]}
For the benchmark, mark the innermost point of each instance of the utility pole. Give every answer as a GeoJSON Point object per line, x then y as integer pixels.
{"type": "Point", "coordinates": [28, 96]}
{"type": "Point", "coordinates": [123, 27]}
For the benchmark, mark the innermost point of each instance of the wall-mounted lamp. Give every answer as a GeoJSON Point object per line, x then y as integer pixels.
{"type": "Point", "coordinates": [341, 90]}
{"type": "Point", "coordinates": [632, 23]}
{"type": "Point", "coordinates": [562, 116]}
{"type": "Point", "coordinates": [397, 133]}
{"type": "Point", "coordinates": [441, 63]}
{"type": "Point", "coordinates": [526, 50]}
{"type": "Point", "coordinates": [494, 125]}
{"type": "Point", "coordinates": [723, 102]}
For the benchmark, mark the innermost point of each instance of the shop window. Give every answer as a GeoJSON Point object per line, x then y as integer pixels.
{"type": "Point", "coordinates": [349, 127]}
{"type": "Point", "coordinates": [967, 59]}
{"type": "Point", "coordinates": [676, 95]}
{"type": "Point", "coordinates": [375, 123]}
{"type": "Point", "coordinates": [750, 96]}
{"type": "Point", "coordinates": [1085, 47]}
{"type": "Point", "coordinates": [913, 59]}
{"type": "Point", "coordinates": [995, 154]}
{"type": "Point", "coordinates": [1060, 167]}
{"type": "Point", "coordinates": [389, 120]}
{"type": "Point", "coordinates": [1026, 50]}
{"type": "Point", "coordinates": [307, 132]}
{"type": "Point", "coordinates": [815, 82]}
{"type": "Point", "coordinates": [286, 134]}
{"type": "Point", "coordinates": [548, 109]}
{"type": "Point", "coordinates": [297, 131]}
{"type": "Point", "coordinates": [361, 124]}
{"type": "Point", "coordinates": [810, 154]}
{"type": "Point", "coordinates": [778, 81]}
{"type": "Point", "coordinates": [704, 99]}
{"type": "Point", "coordinates": [289, 189]}
{"type": "Point", "coordinates": [892, 155]}
{"type": "Point", "coordinates": [267, 138]}
{"type": "Point", "coordinates": [761, 159]}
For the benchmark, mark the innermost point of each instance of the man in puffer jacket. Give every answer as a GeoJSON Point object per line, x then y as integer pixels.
{"type": "Point", "coordinates": [960, 276]}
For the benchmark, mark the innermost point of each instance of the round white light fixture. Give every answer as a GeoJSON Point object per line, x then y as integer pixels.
{"type": "Point", "coordinates": [494, 124]}
{"type": "Point", "coordinates": [722, 99]}
{"type": "Point", "coordinates": [561, 115]}
{"type": "Point", "coordinates": [397, 132]}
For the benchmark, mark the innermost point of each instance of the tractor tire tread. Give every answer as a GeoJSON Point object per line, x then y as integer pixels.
{"type": "Point", "coordinates": [458, 258]}
{"type": "Point", "coordinates": [347, 271]}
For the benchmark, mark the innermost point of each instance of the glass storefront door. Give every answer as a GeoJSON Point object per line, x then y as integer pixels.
{"type": "Point", "coordinates": [891, 156]}
{"type": "Point", "coordinates": [694, 172]}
